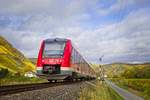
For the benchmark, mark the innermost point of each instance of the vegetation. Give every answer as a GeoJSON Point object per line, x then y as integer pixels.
{"type": "Point", "coordinates": [33, 60]}
{"type": "Point", "coordinates": [3, 72]}
{"type": "Point", "coordinates": [13, 65]}
{"type": "Point", "coordinates": [100, 92]}
{"type": "Point", "coordinates": [96, 68]}
{"type": "Point", "coordinates": [133, 77]}
{"type": "Point", "coordinates": [141, 85]}
{"type": "Point", "coordinates": [17, 79]}
{"type": "Point", "coordinates": [137, 72]}
{"type": "Point", "coordinates": [127, 70]}
{"type": "Point", "coordinates": [13, 60]}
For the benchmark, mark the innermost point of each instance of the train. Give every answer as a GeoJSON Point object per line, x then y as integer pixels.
{"type": "Point", "coordinates": [58, 59]}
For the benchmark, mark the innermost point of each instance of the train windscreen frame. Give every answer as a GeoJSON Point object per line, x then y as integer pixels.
{"type": "Point", "coordinates": [53, 49]}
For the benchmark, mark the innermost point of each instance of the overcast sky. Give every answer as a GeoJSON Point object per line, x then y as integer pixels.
{"type": "Point", "coordinates": [117, 29]}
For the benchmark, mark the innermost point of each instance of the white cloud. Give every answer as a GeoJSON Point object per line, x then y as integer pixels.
{"type": "Point", "coordinates": [122, 41]}
{"type": "Point", "coordinates": [120, 6]}
{"type": "Point", "coordinates": [62, 8]}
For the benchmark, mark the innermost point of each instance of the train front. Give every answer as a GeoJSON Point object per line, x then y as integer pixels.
{"type": "Point", "coordinates": [52, 58]}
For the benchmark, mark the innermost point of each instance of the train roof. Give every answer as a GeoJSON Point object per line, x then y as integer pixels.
{"type": "Point", "coordinates": [56, 39]}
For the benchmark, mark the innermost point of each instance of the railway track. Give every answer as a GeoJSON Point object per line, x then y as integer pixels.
{"type": "Point", "coordinates": [5, 90]}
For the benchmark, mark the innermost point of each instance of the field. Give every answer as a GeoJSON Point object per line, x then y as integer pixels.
{"type": "Point", "coordinates": [142, 86]}
{"type": "Point", "coordinates": [100, 92]}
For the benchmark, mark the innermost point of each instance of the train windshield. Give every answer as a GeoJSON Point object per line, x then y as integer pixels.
{"type": "Point", "coordinates": [54, 49]}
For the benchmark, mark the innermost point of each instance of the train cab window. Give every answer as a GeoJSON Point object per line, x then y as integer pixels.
{"type": "Point", "coordinates": [53, 49]}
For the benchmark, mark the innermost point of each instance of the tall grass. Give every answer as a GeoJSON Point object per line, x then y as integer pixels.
{"type": "Point", "coordinates": [100, 92]}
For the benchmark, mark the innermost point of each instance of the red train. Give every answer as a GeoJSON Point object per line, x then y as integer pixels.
{"type": "Point", "coordinates": [58, 59]}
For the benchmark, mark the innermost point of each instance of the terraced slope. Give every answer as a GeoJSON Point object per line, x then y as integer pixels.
{"type": "Point", "coordinates": [12, 59]}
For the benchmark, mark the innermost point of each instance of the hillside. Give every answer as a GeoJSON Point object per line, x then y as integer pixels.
{"type": "Point", "coordinates": [116, 69]}
{"type": "Point", "coordinates": [33, 60]}
{"type": "Point", "coordinates": [12, 59]}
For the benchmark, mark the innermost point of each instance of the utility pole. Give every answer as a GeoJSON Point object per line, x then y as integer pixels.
{"type": "Point", "coordinates": [101, 69]}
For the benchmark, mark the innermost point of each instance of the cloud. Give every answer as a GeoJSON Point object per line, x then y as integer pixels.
{"type": "Point", "coordinates": [54, 7]}
{"type": "Point", "coordinates": [47, 23]}
{"type": "Point", "coordinates": [27, 6]}
{"type": "Point", "coordinates": [121, 6]}
{"type": "Point", "coordinates": [45, 15]}
{"type": "Point", "coordinates": [123, 41]}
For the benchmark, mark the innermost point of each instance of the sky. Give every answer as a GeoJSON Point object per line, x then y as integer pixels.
{"type": "Point", "coordinates": [118, 30]}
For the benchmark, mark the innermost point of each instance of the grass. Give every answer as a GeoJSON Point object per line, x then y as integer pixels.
{"type": "Point", "coordinates": [100, 92]}
{"type": "Point", "coordinates": [14, 80]}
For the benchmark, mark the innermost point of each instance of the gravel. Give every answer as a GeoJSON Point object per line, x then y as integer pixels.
{"type": "Point", "coordinates": [63, 92]}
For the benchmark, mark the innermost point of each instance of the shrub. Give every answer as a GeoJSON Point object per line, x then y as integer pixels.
{"type": "Point", "coordinates": [3, 72]}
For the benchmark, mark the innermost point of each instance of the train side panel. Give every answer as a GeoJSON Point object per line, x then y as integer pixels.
{"type": "Point", "coordinates": [79, 65]}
